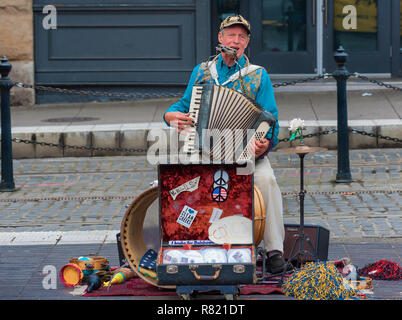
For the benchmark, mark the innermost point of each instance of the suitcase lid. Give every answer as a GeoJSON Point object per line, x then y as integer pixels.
{"type": "Point", "coordinates": [205, 204]}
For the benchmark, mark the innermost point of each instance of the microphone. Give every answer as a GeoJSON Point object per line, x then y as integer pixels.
{"type": "Point", "coordinates": [222, 48]}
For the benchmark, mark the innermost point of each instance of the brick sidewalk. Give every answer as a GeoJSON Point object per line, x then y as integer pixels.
{"type": "Point", "coordinates": [30, 264]}
{"type": "Point", "coordinates": [79, 194]}
{"type": "Point", "coordinates": [66, 207]}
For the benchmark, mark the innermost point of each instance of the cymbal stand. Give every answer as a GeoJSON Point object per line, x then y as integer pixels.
{"type": "Point", "coordinates": [301, 236]}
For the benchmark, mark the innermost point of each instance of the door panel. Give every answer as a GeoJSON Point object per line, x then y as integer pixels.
{"type": "Point", "coordinates": [119, 43]}
{"type": "Point", "coordinates": [397, 37]}
{"type": "Point", "coordinates": [363, 28]}
{"type": "Point", "coordinates": [283, 35]}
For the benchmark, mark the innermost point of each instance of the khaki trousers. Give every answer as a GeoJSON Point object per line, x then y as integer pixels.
{"type": "Point", "coordinates": [265, 180]}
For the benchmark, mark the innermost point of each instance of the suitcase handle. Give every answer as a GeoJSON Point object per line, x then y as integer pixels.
{"type": "Point", "coordinates": [193, 269]}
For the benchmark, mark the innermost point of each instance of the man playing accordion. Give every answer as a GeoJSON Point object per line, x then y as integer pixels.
{"type": "Point", "coordinates": [255, 83]}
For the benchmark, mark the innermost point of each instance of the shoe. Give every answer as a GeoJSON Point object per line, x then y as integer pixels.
{"type": "Point", "coordinates": [275, 264]}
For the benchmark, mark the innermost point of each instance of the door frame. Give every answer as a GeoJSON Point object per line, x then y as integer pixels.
{"type": "Point", "coordinates": [396, 38]}
{"type": "Point", "coordinates": [323, 34]}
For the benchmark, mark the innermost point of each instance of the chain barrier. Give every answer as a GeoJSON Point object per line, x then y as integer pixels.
{"type": "Point", "coordinates": [180, 94]}
{"type": "Point", "coordinates": [380, 83]}
{"type": "Point", "coordinates": [287, 194]}
{"type": "Point", "coordinates": [346, 193]}
{"type": "Point", "coordinates": [304, 80]}
{"type": "Point", "coordinates": [119, 149]}
{"type": "Point", "coordinates": [90, 148]}
{"type": "Point", "coordinates": [137, 96]}
{"type": "Point", "coordinates": [134, 150]}
{"type": "Point", "coordinates": [375, 135]}
{"type": "Point", "coordinates": [356, 131]}
{"type": "Point", "coordinates": [311, 135]}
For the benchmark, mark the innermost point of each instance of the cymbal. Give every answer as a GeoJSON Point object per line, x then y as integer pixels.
{"type": "Point", "coordinates": [302, 149]}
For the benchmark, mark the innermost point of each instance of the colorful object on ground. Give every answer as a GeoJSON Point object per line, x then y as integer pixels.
{"type": "Point", "coordinates": [117, 278]}
{"type": "Point", "coordinates": [148, 273]}
{"type": "Point", "coordinates": [82, 261]}
{"type": "Point", "coordinates": [121, 276]}
{"type": "Point", "coordinates": [382, 270]}
{"type": "Point", "coordinates": [78, 269]}
{"type": "Point", "coordinates": [317, 281]}
{"type": "Point", "coordinates": [351, 278]}
{"type": "Point", "coordinates": [363, 285]}
{"type": "Point", "coordinates": [71, 275]}
{"type": "Point", "coordinates": [148, 264]}
{"type": "Point", "coordinates": [91, 265]}
{"type": "Point", "coordinates": [94, 282]}
{"type": "Point", "coordinates": [148, 261]}
{"type": "Point", "coordinates": [139, 287]}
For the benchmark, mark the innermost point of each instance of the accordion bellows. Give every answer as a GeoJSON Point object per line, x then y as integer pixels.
{"type": "Point", "coordinates": [226, 121]}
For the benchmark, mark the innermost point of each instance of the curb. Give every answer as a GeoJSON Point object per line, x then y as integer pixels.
{"type": "Point", "coordinates": [142, 135]}
{"type": "Point", "coordinates": [57, 237]}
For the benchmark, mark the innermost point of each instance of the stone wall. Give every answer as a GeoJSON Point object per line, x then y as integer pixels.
{"type": "Point", "coordinates": [16, 43]}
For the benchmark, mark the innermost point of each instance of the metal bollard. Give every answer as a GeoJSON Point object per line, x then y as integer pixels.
{"type": "Point", "coordinates": [341, 74]}
{"type": "Point", "coordinates": [7, 175]}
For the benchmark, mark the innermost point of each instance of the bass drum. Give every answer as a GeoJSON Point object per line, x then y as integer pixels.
{"type": "Point", "coordinates": [131, 230]}
{"type": "Point", "coordinates": [259, 216]}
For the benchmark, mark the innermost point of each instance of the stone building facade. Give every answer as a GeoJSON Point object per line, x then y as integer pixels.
{"type": "Point", "coordinates": [16, 43]}
{"type": "Point", "coordinates": [131, 45]}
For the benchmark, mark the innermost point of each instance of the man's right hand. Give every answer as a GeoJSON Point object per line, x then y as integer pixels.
{"type": "Point", "coordinates": [181, 121]}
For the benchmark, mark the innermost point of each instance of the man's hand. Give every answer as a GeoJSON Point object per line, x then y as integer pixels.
{"type": "Point", "coordinates": [259, 147]}
{"type": "Point", "coordinates": [181, 121]}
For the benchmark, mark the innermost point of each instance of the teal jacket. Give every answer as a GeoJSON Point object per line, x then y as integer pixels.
{"type": "Point", "coordinates": [257, 84]}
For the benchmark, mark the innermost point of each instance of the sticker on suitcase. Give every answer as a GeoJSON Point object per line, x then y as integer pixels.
{"type": "Point", "coordinates": [187, 216]}
{"type": "Point", "coordinates": [191, 185]}
{"type": "Point", "coordinates": [216, 214]}
{"type": "Point", "coordinates": [220, 186]}
{"type": "Point", "coordinates": [234, 195]}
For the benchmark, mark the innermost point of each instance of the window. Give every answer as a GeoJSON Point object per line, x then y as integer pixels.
{"type": "Point", "coordinates": [356, 25]}
{"type": "Point", "coordinates": [284, 25]}
{"type": "Point", "coordinates": [227, 8]}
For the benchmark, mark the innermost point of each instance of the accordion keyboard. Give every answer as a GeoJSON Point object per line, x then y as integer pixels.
{"type": "Point", "coordinates": [231, 122]}
{"type": "Point", "coordinates": [260, 132]}
{"type": "Point", "coordinates": [189, 141]}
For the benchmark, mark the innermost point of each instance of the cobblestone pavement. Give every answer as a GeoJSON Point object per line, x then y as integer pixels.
{"type": "Point", "coordinates": [91, 194]}
{"type": "Point", "coordinates": [80, 194]}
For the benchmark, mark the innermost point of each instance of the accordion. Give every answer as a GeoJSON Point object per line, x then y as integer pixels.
{"type": "Point", "coordinates": [225, 123]}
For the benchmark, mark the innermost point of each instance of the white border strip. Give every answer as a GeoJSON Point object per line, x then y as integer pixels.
{"type": "Point", "coordinates": [162, 125]}
{"type": "Point", "coordinates": [57, 237]}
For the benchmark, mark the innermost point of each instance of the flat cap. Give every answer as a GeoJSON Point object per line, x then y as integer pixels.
{"type": "Point", "coordinates": [232, 20]}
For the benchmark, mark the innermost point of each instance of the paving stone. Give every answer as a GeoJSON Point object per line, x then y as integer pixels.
{"type": "Point", "coordinates": [12, 291]}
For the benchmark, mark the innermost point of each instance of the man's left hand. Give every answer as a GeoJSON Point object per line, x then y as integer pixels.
{"type": "Point", "coordinates": [259, 147]}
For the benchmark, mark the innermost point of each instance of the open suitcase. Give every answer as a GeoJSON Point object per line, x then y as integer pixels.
{"type": "Point", "coordinates": [207, 227]}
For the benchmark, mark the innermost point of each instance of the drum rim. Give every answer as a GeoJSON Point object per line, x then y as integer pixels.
{"type": "Point", "coordinates": [62, 278]}
{"type": "Point", "coordinates": [149, 194]}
